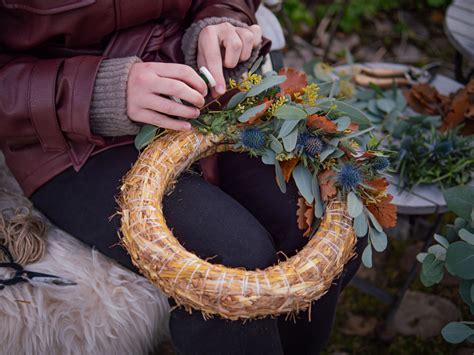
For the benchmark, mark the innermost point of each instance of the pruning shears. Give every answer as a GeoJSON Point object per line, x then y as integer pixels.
{"type": "Point", "coordinates": [387, 77]}
{"type": "Point", "coordinates": [21, 275]}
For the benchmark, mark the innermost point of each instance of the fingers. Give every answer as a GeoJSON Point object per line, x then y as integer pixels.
{"type": "Point", "coordinates": [246, 38]}
{"type": "Point", "coordinates": [178, 89]}
{"type": "Point", "coordinates": [210, 49]}
{"type": "Point", "coordinates": [169, 107]}
{"type": "Point", "coordinates": [233, 47]}
{"type": "Point", "coordinates": [257, 35]}
{"type": "Point", "coordinates": [160, 120]}
{"type": "Point", "coordinates": [181, 72]}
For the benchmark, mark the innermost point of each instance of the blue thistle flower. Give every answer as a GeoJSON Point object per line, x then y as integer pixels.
{"type": "Point", "coordinates": [311, 144]}
{"type": "Point", "coordinates": [252, 138]}
{"type": "Point", "coordinates": [380, 163]}
{"type": "Point", "coordinates": [443, 148]}
{"type": "Point", "coordinates": [349, 176]}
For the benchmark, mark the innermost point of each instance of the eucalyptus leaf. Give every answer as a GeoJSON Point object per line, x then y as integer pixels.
{"type": "Point", "coordinates": [342, 123]}
{"type": "Point", "coordinates": [289, 112]}
{"type": "Point", "coordinates": [359, 133]}
{"type": "Point", "coordinates": [438, 251]}
{"type": "Point", "coordinates": [421, 256]}
{"type": "Point", "coordinates": [466, 291]}
{"type": "Point", "coordinates": [360, 225]}
{"type": "Point", "coordinates": [386, 105]}
{"type": "Point", "coordinates": [244, 117]}
{"type": "Point", "coordinates": [460, 260]}
{"type": "Point", "coordinates": [303, 180]}
{"type": "Point", "coordinates": [268, 157]}
{"type": "Point", "coordinates": [456, 332]}
{"type": "Point", "coordinates": [334, 89]}
{"type": "Point", "coordinates": [266, 84]}
{"type": "Point", "coordinates": [367, 256]}
{"type": "Point", "coordinates": [289, 141]}
{"type": "Point", "coordinates": [378, 239]}
{"type": "Point", "coordinates": [275, 144]}
{"type": "Point", "coordinates": [374, 221]}
{"type": "Point", "coordinates": [354, 205]}
{"type": "Point", "coordinates": [146, 134]}
{"type": "Point", "coordinates": [441, 240]}
{"type": "Point", "coordinates": [460, 200]}
{"type": "Point", "coordinates": [279, 177]}
{"type": "Point", "coordinates": [287, 127]}
{"type": "Point", "coordinates": [318, 204]}
{"type": "Point", "coordinates": [356, 115]}
{"type": "Point", "coordinates": [432, 270]}
{"type": "Point", "coordinates": [236, 99]}
{"type": "Point", "coordinates": [326, 152]}
{"type": "Point", "coordinates": [467, 236]}
{"type": "Point", "coordinates": [256, 65]}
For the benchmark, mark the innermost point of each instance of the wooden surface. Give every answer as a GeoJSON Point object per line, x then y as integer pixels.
{"type": "Point", "coordinates": [459, 26]}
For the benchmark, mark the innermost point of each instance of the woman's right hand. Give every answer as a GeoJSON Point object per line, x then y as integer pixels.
{"type": "Point", "coordinates": [150, 86]}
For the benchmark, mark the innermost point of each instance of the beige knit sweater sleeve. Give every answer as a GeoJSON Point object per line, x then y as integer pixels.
{"type": "Point", "coordinates": [108, 110]}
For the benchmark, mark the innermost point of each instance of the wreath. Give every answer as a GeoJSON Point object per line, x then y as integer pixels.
{"type": "Point", "coordinates": [320, 141]}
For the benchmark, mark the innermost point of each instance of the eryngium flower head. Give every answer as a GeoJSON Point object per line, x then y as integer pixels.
{"type": "Point", "coordinates": [380, 163]}
{"type": "Point", "coordinates": [349, 176]}
{"type": "Point", "coordinates": [252, 138]}
{"type": "Point", "coordinates": [311, 144]}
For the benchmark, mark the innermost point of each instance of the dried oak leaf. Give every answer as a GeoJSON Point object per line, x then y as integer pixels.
{"type": "Point", "coordinates": [321, 122]}
{"type": "Point", "coordinates": [288, 166]}
{"type": "Point", "coordinates": [305, 213]}
{"type": "Point", "coordinates": [384, 212]}
{"type": "Point", "coordinates": [326, 184]}
{"type": "Point", "coordinates": [460, 110]}
{"type": "Point", "coordinates": [424, 98]}
{"type": "Point", "coordinates": [294, 83]}
{"type": "Point", "coordinates": [379, 185]}
{"type": "Point", "coordinates": [255, 118]}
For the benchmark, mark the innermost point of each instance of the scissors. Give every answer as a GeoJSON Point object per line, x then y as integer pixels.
{"type": "Point", "coordinates": [22, 275]}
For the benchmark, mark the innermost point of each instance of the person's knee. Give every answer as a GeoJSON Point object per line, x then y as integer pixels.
{"type": "Point", "coordinates": [211, 224]}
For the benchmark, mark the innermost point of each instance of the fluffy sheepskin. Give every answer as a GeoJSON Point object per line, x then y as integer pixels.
{"type": "Point", "coordinates": [110, 311]}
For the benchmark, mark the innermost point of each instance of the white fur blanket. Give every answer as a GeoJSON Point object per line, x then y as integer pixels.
{"type": "Point", "coordinates": [110, 311]}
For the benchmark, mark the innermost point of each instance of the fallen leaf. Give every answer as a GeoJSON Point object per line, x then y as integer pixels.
{"type": "Point", "coordinates": [384, 212]}
{"type": "Point", "coordinates": [294, 83]}
{"type": "Point", "coordinates": [322, 123]}
{"type": "Point", "coordinates": [288, 166]}
{"type": "Point", "coordinates": [460, 110]}
{"type": "Point", "coordinates": [305, 213]}
{"type": "Point", "coordinates": [326, 184]}
{"type": "Point", "coordinates": [255, 117]}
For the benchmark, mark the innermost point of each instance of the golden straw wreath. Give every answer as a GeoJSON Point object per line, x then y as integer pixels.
{"type": "Point", "coordinates": [310, 133]}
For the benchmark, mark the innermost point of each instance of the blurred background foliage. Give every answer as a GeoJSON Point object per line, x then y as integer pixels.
{"type": "Point", "coordinates": [308, 12]}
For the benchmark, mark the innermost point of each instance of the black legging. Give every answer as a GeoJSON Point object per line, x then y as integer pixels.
{"type": "Point", "coordinates": [245, 223]}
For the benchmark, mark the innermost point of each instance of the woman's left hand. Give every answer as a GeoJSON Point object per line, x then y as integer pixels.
{"type": "Point", "coordinates": [224, 46]}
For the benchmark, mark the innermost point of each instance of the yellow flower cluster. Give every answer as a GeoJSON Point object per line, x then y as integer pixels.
{"type": "Point", "coordinates": [346, 89]}
{"type": "Point", "coordinates": [284, 156]}
{"type": "Point", "coordinates": [329, 164]}
{"type": "Point", "coordinates": [246, 85]}
{"type": "Point", "coordinates": [354, 144]}
{"type": "Point", "coordinates": [276, 105]}
{"type": "Point", "coordinates": [310, 94]}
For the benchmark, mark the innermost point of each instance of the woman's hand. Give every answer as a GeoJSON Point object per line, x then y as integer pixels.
{"type": "Point", "coordinates": [226, 45]}
{"type": "Point", "coordinates": [150, 83]}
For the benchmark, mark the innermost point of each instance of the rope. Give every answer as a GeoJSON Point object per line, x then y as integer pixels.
{"type": "Point", "coordinates": [23, 234]}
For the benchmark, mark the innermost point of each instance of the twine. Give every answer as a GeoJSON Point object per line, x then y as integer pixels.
{"type": "Point", "coordinates": [288, 287]}
{"type": "Point", "coordinates": [23, 234]}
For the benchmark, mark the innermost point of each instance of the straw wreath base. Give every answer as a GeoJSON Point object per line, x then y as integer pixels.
{"type": "Point", "coordinates": [233, 293]}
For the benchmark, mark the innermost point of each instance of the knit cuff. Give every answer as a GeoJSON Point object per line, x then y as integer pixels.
{"type": "Point", "coordinates": [108, 110]}
{"type": "Point", "coordinates": [190, 45]}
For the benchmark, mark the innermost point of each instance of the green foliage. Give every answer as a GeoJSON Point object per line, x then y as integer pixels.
{"type": "Point", "coordinates": [454, 253]}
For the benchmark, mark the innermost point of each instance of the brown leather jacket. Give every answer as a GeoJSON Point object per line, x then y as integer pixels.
{"type": "Point", "coordinates": [50, 54]}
